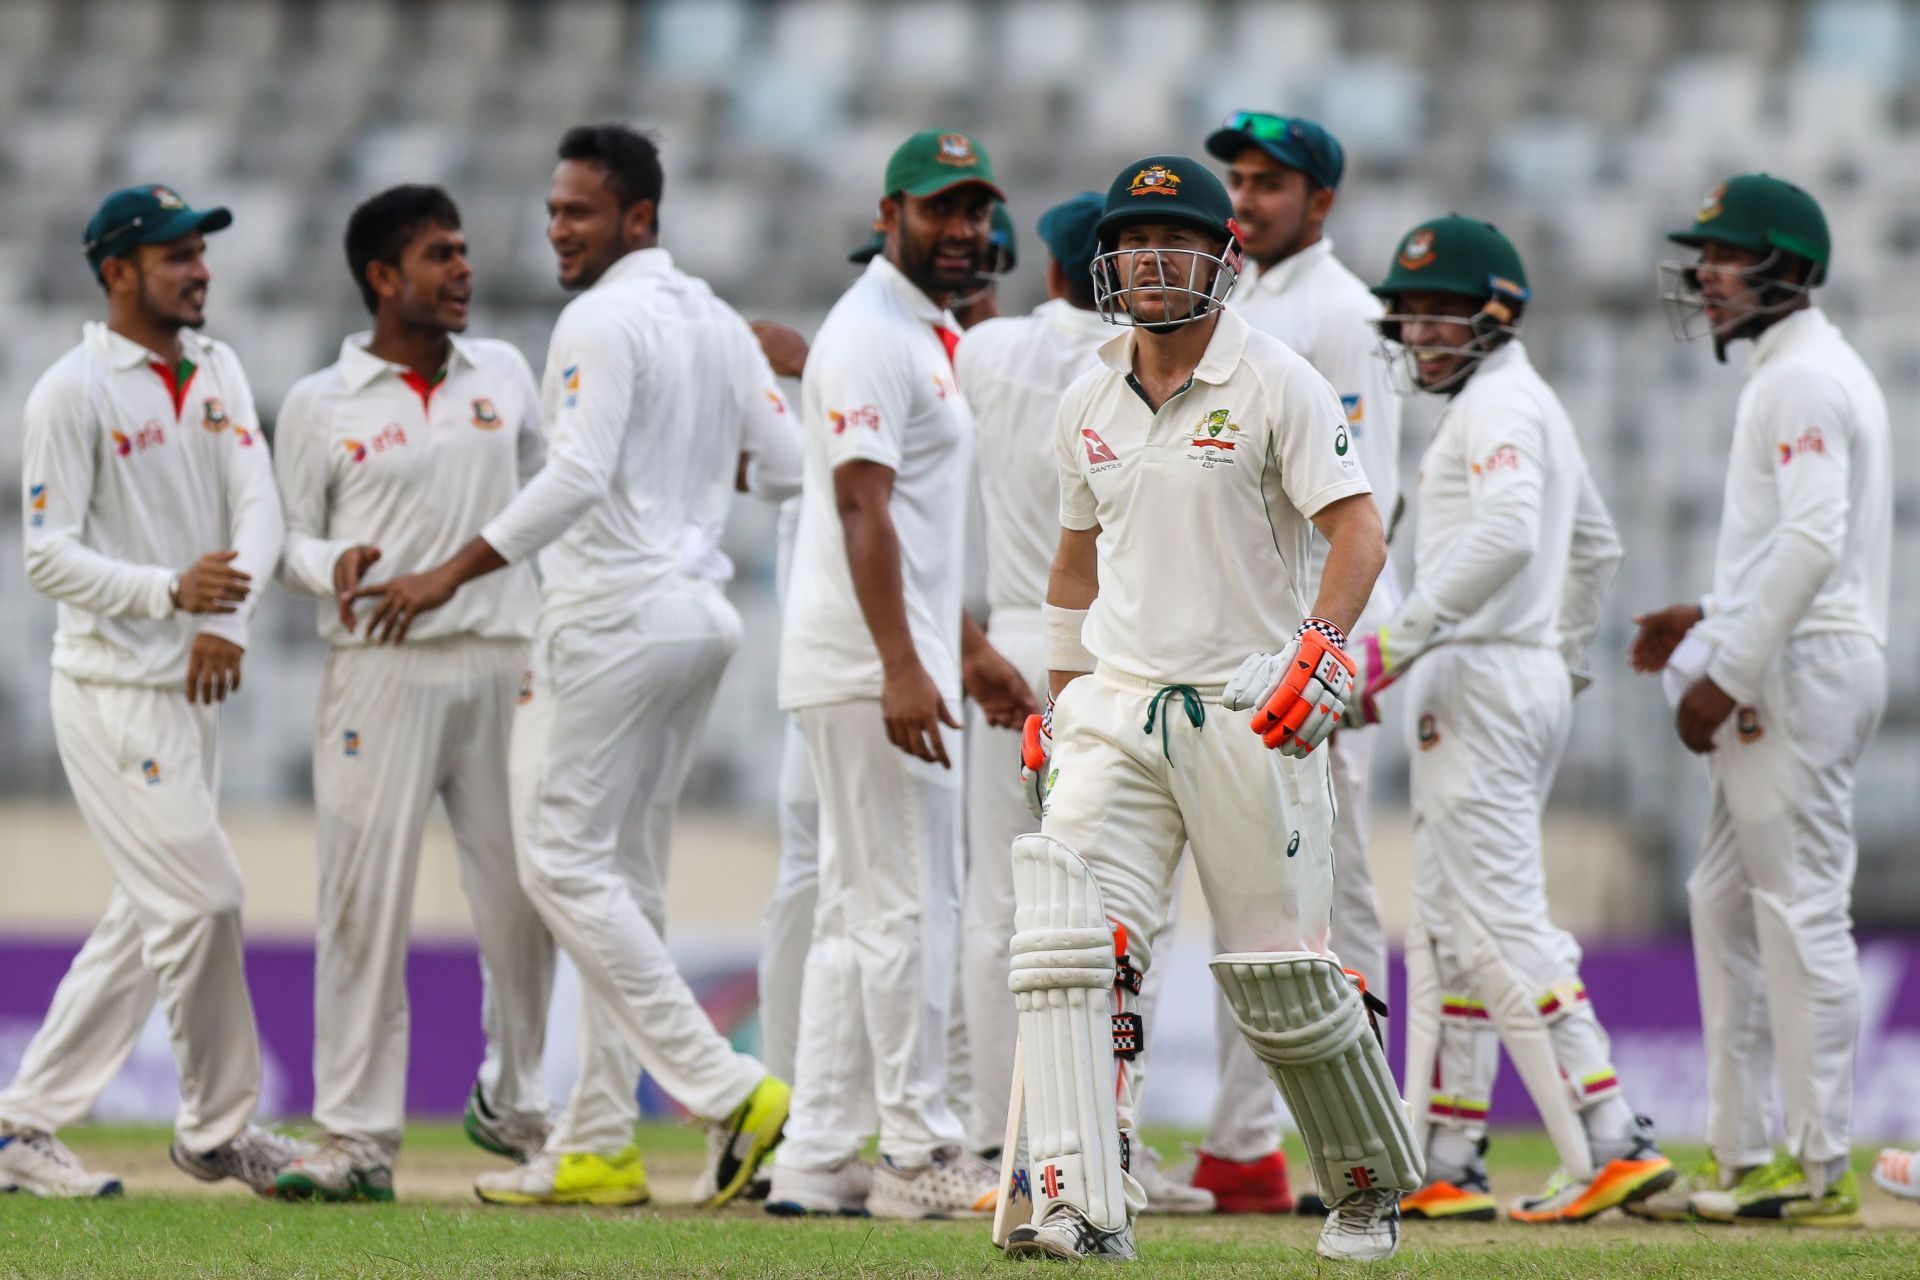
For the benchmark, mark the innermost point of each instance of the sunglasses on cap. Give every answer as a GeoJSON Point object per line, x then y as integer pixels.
{"type": "Point", "coordinates": [1267, 127]}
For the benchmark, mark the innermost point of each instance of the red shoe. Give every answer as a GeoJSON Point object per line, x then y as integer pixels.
{"type": "Point", "coordinates": [1251, 1186]}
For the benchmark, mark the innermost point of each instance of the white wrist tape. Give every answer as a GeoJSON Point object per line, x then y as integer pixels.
{"type": "Point", "coordinates": [1060, 639]}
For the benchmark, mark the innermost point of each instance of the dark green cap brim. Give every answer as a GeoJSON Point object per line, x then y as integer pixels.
{"type": "Point", "coordinates": [1695, 238]}
{"type": "Point", "coordinates": [935, 185]}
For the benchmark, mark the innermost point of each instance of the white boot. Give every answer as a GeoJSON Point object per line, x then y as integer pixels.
{"type": "Point", "coordinates": [840, 1191]}
{"type": "Point", "coordinates": [1164, 1195]}
{"type": "Point", "coordinates": [954, 1184]}
{"type": "Point", "coordinates": [1068, 1236]}
{"type": "Point", "coordinates": [1364, 1227]}
{"type": "Point", "coordinates": [256, 1157]}
{"type": "Point", "coordinates": [39, 1164]}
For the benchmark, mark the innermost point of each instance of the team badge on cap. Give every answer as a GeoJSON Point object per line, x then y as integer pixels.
{"type": "Point", "coordinates": [484, 416]}
{"type": "Point", "coordinates": [166, 198]}
{"type": "Point", "coordinates": [1710, 204]}
{"type": "Point", "coordinates": [1417, 252]}
{"type": "Point", "coordinates": [1155, 180]}
{"type": "Point", "coordinates": [955, 148]}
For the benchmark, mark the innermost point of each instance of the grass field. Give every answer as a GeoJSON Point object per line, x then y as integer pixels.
{"type": "Point", "coordinates": [169, 1226]}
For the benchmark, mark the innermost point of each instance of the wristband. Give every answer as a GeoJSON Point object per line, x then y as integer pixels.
{"type": "Point", "coordinates": [1060, 639]}
{"type": "Point", "coordinates": [1325, 628]}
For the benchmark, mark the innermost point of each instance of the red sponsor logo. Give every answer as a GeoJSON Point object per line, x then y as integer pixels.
{"type": "Point", "coordinates": [392, 436]}
{"type": "Point", "coordinates": [1097, 450]}
{"type": "Point", "coordinates": [866, 415]}
{"type": "Point", "coordinates": [1051, 1181]}
{"type": "Point", "coordinates": [150, 436]}
{"type": "Point", "coordinates": [1812, 440]}
{"type": "Point", "coordinates": [1505, 458]}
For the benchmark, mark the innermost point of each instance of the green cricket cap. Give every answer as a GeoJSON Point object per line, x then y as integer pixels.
{"type": "Point", "coordinates": [1294, 141]}
{"type": "Point", "coordinates": [1760, 212]}
{"type": "Point", "coordinates": [1067, 229]}
{"type": "Point", "coordinates": [150, 213]}
{"type": "Point", "coordinates": [933, 160]}
{"type": "Point", "coordinates": [1166, 189]}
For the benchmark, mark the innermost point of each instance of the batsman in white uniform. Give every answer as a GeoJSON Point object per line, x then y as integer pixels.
{"type": "Point", "coordinates": [1195, 465]}
{"type": "Point", "coordinates": [1513, 556]}
{"type": "Point", "coordinates": [151, 517]}
{"type": "Point", "coordinates": [650, 389]}
{"type": "Point", "coordinates": [873, 650]}
{"type": "Point", "coordinates": [1780, 676]}
{"type": "Point", "coordinates": [1282, 173]}
{"type": "Point", "coordinates": [396, 455]}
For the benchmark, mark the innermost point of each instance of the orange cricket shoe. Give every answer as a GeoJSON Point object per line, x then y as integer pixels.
{"type": "Point", "coordinates": [1444, 1201]}
{"type": "Point", "coordinates": [1619, 1182]}
{"type": "Point", "coordinates": [1245, 1186]}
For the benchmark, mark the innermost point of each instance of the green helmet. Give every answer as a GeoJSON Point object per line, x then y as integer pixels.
{"type": "Point", "coordinates": [1762, 213]}
{"type": "Point", "coordinates": [1167, 189]}
{"type": "Point", "coordinates": [1456, 255]}
{"type": "Point", "coordinates": [1189, 284]}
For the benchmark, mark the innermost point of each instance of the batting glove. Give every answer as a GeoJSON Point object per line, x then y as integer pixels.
{"type": "Point", "coordinates": [1036, 754]}
{"type": "Point", "coordinates": [1300, 692]}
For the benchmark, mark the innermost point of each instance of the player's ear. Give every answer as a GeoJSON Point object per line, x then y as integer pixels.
{"type": "Point", "coordinates": [638, 221]}
{"type": "Point", "coordinates": [383, 278]}
{"type": "Point", "coordinates": [1320, 203]}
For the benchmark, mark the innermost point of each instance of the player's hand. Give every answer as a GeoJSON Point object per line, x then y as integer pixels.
{"type": "Point", "coordinates": [212, 585]}
{"type": "Point", "coordinates": [213, 669]}
{"type": "Point", "coordinates": [1036, 754]}
{"type": "Point", "coordinates": [784, 348]}
{"type": "Point", "coordinates": [402, 600]}
{"type": "Point", "coordinates": [1312, 694]}
{"type": "Point", "coordinates": [1005, 698]}
{"type": "Point", "coordinates": [1370, 679]}
{"type": "Point", "coordinates": [911, 704]}
{"type": "Point", "coordinates": [1660, 634]}
{"type": "Point", "coordinates": [347, 572]}
{"type": "Point", "coordinates": [1702, 711]}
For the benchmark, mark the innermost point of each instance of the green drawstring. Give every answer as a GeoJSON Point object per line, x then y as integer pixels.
{"type": "Point", "coordinates": [1196, 713]}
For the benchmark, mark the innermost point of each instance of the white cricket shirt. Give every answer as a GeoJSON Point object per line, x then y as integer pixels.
{"type": "Point", "coordinates": [132, 474]}
{"type": "Point", "coordinates": [1013, 371]}
{"type": "Point", "coordinates": [1505, 505]}
{"type": "Point", "coordinates": [1806, 530]}
{"type": "Point", "coordinates": [1204, 508]}
{"type": "Point", "coordinates": [650, 386]}
{"type": "Point", "coordinates": [879, 387]}
{"type": "Point", "coordinates": [1315, 305]}
{"type": "Point", "coordinates": [370, 452]}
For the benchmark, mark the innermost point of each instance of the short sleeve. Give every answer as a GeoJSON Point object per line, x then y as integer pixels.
{"type": "Point", "coordinates": [863, 381]}
{"type": "Point", "coordinates": [1319, 461]}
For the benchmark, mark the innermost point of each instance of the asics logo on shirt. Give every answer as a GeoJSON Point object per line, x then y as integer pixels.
{"type": "Point", "coordinates": [570, 382]}
{"type": "Point", "coordinates": [37, 505]}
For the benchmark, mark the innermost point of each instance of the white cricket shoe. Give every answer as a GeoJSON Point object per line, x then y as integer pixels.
{"type": "Point", "coordinates": [36, 1162]}
{"type": "Point", "coordinates": [1364, 1227]}
{"type": "Point", "coordinates": [955, 1183]}
{"type": "Point", "coordinates": [518, 1138]}
{"type": "Point", "coordinates": [344, 1168]}
{"type": "Point", "coordinates": [841, 1191]}
{"type": "Point", "coordinates": [1897, 1173]}
{"type": "Point", "coordinates": [1066, 1235]}
{"type": "Point", "coordinates": [1164, 1195]}
{"type": "Point", "coordinates": [256, 1157]}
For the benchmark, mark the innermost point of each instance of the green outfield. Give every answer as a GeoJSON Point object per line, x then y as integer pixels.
{"type": "Point", "coordinates": [167, 1226]}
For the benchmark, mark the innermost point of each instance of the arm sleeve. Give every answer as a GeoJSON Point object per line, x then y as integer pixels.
{"type": "Point", "coordinates": [1591, 566]}
{"type": "Point", "coordinates": [1505, 449]}
{"type": "Point", "coordinates": [1310, 440]}
{"type": "Point", "coordinates": [255, 524]}
{"type": "Point", "coordinates": [58, 455]}
{"type": "Point", "coordinates": [530, 449]}
{"type": "Point", "coordinates": [599, 375]}
{"type": "Point", "coordinates": [1078, 508]}
{"type": "Point", "coordinates": [300, 462]}
{"type": "Point", "coordinates": [863, 383]}
{"type": "Point", "coordinates": [1345, 355]}
{"type": "Point", "coordinates": [770, 437]}
{"type": "Point", "coordinates": [1806, 430]}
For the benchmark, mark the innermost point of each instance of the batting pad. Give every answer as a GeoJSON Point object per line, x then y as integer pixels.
{"type": "Point", "coordinates": [1306, 1022]}
{"type": "Point", "coordinates": [1062, 976]}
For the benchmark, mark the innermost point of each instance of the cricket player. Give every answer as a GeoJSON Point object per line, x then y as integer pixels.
{"type": "Point", "coordinates": [874, 650]}
{"type": "Point", "coordinates": [397, 454]}
{"type": "Point", "coordinates": [1782, 677]}
{"type": "Point", "coordinates": [1282, 173]}
{"type": "Point", "coordinates": [650, 389]}
{"type": "Point", "coordinates": [1513, 558]}
{"type": "Point", "coordinates": [151, 517]}
{"type": "Point", "coordinates": [1195, 465]}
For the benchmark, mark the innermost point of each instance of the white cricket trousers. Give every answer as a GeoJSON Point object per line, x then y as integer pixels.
{"type": "Point", "coordinates": [1486, 727]}
{"type": "Point", "coordinates": [143, 764]}
{"type": "Point", "coordinates": [1245, 1123]}
{"type": "Point", "coordinates": [600, 753]}
{"type": "Point", "coordinates": [996, 814]}
{"type": "Point", "coordinates": [396, 727]}
{"type": "Point", "coordinates": [1771, 900]}
{"type": "Point", "coordinates": [1138, 780]}
{"type": "Point", "coordinates": [879, 983]}
{"type": "Point", "coordinates": [787, 928]}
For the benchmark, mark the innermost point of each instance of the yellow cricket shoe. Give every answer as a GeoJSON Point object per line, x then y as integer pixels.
{"type": "Point", "coordinates": [737, 1145]}
{"type": "Point", "coordinates": [575, 1177]}
{"type": "Point", "coordinates": [1444, 1201]}
{"type": "Point", "coordinates": [1778, 1193]}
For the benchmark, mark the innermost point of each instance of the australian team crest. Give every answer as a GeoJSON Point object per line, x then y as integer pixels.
{"type": "Point", "coordinates": [1216, 431]}
{"type": "Point", "coordinates": [1155, 180]}
{"type": "Point", "coordinates": [1417, 252]}
{"type": "Point", "coordinates": [484, 415]}
{"type": "Point", "coordinates": [214, 414]}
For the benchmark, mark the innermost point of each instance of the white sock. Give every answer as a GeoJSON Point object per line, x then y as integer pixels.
{"type": "Point", "coordinates": [1610, 1129]}
{"type": "Point", "coordinates": [1451, 1155]}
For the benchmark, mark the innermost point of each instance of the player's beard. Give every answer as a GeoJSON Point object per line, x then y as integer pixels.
{"type": "Point", "coordinates": [174, 313]}
{"type": "Point", "coordinates": [917, 261]}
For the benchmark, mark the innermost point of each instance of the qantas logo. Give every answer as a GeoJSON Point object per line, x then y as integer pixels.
{"type": "Point", "coordinates": [1097, 450]}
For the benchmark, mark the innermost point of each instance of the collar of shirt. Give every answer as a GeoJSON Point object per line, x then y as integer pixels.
{"type": "Point", "coordinates": [359, 367]}
{"type": "Point", "coordinates": [918, 305]}
{"type": "Point", "coordinates": [641, 262]}
{"type": "Point", "coordinates": [1282, 275]}
{"type": "Point", "coordinates": [1783, 335]}
{"type": "Point", "coordinates": [1071, 320]}
{"type": "Point", "coordinates": [1217, 363]}
{"type": "Point", "coordinates": [124, 353]}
